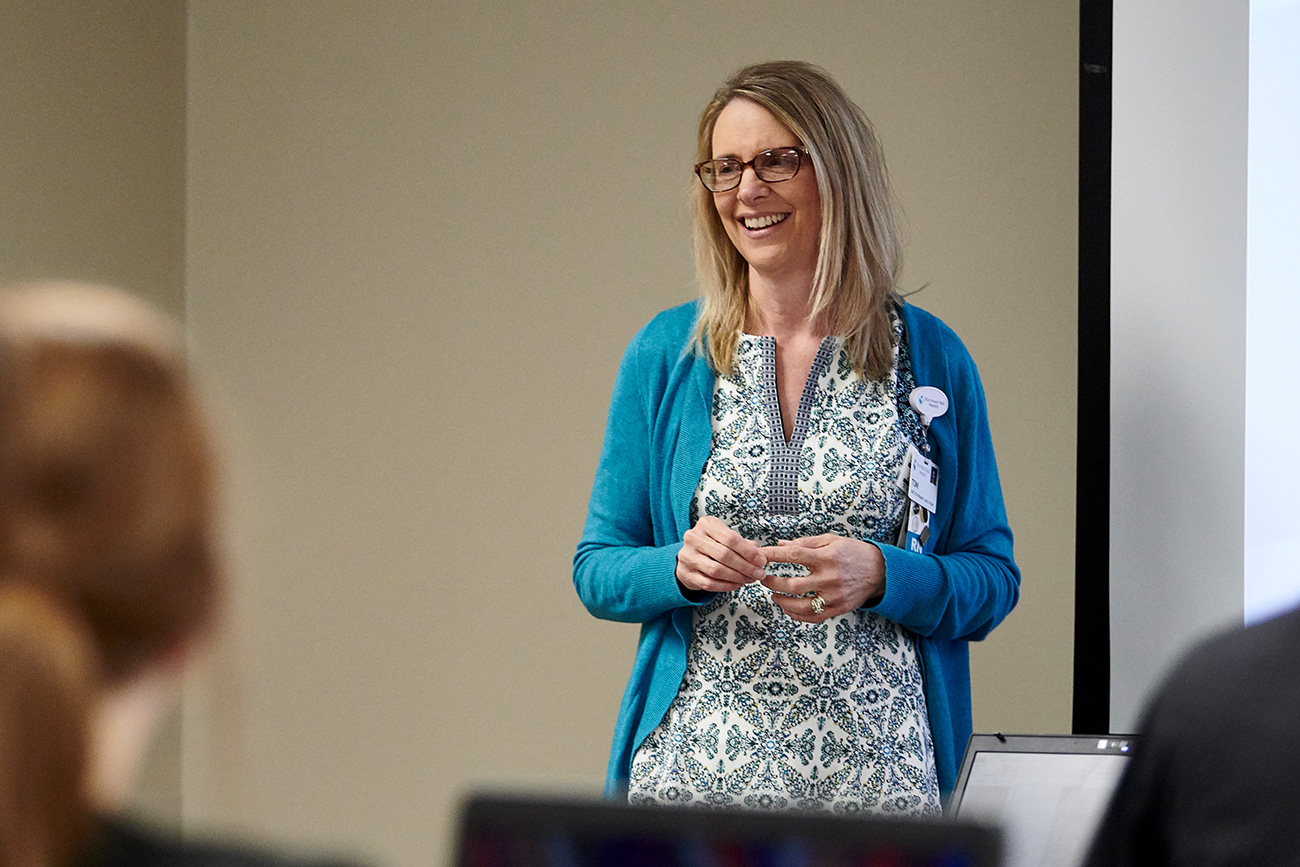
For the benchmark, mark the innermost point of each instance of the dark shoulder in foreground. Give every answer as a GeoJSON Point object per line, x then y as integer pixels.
{"type": "Point", "coordinates": [1255, 663]}
{"type": "Point", "coordinates": [1213, 780]}
{"type": "Point", "coordinates": [1279, 636]}
{"type": "Point", "coordinates": [123, 844]}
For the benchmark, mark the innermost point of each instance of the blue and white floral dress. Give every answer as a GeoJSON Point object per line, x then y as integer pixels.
{"type": "Point", "coordinates": [773, 713]}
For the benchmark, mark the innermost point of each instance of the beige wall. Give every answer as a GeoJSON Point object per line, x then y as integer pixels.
{"type": "Point", "coordinates": [92, 174]}
{"type": "Point", "coordinates": [92, 145]}
{"type": "Point", "coordinates": [416, 298]}
{"type": "Point", "coordinates": [416, 294]}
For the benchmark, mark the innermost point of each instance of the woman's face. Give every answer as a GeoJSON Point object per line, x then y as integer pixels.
{"type": "Point", "coordinates": [776, 227]}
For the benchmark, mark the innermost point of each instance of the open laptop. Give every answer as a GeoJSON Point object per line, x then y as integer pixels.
{"type": "Point", "coordinates": [1047, 792]}
{"type": "Point", "coordinates": [541, 832]}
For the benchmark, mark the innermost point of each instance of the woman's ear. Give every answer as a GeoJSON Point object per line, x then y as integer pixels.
{"type": "Point", "coordinates": [175, 657]}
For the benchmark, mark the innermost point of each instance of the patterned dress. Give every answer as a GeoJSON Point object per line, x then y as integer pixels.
{"type": "Point", "coordinates": [773, 713]}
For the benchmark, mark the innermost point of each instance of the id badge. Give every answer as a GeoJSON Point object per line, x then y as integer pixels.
{"type": "Point", "coordinates": [923, 482]}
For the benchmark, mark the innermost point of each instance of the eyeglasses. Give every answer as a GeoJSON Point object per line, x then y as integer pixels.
{"type": "Point", "coordinates": [777, 164]}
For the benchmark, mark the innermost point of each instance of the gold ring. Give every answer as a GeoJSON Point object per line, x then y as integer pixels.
{"type": "Point", "coordinates": [818, 603]}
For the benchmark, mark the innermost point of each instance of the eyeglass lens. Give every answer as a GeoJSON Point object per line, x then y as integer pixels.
{"type": "Point", "coordinates": [779, 164]}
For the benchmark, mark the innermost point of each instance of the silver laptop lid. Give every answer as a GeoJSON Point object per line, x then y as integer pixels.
{"type": "Point", "coordinates": [1047, 792]}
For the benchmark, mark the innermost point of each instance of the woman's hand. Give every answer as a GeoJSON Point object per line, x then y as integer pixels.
{"type": "Point", "coordinates": [715, 558]}
{"type": "Point", "coordinates": [844, 573]}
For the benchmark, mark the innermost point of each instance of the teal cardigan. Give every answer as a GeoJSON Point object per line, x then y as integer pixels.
{"type": "Point", "coordinates": [656, 443]}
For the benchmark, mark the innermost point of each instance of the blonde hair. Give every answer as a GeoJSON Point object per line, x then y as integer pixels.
{"type": "Point", "coordinates": [859, 256]}
{"type": "Point", "coordinates": [107, 541]}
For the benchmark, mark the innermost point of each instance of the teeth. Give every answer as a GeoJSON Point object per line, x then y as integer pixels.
{"type": "Point", "coordinates": [763, 222]}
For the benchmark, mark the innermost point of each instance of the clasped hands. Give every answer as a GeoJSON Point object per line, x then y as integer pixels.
{"type": "Point", "coordinates": [844, 572]}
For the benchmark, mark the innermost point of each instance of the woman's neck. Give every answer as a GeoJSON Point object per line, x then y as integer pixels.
{"type": "Point", "coordinates": [121, 729]}
{"type": "Point", "coordinates": [782, 310]}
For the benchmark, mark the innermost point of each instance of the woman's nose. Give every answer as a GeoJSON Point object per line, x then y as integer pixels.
{"type": "Point", "coordinates": [751, 185]}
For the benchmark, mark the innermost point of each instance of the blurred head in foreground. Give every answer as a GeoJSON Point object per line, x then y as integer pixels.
{"type": "Point", "coordinates": [108, 569]}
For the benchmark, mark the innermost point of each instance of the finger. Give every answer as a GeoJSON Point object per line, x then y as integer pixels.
{"type": "Point", "coordinates": [699, 581]}
{"type": "Point", "coordinates": [696, 581]}
{"type": "Point", "coordinates": [800, 608]}
{"type": "Point", "coordinates": [820, 541]}
{"type": "Point", "coordinates": [800, 555]}
{"type": "Point", "coordinates": [784, 553]}
{"type": "Point", "coordinates": [691, 561]}
{"type": "Point", "coordinates": [730, 558]}
{"type": "Point", "coordinates": [717, 529]}
{"type": "Point", "coordinates": [698, 539]}
{"type": "Point", "coordinates": [790, 586]}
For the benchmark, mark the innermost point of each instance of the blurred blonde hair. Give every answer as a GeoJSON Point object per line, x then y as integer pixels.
{"type": "Point", "coordinates": [859, 257]}
{"type": "Point", "coordinates": [107, 539]}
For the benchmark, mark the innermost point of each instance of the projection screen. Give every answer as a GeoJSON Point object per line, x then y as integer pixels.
{"type": "Point", "coordinates": [1204, 296]}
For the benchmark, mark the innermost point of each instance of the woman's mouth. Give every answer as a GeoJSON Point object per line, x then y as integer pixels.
{"type": "Point", "coordinates": [762, 222]}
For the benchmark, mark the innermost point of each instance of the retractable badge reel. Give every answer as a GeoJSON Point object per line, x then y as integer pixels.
{"type": "Point", "coordinates": [920, 474]}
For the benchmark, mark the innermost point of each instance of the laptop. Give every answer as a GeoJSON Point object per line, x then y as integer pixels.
{"type": "Point", "coordinates": [1047, 792]}
{"type": "Point", "coordinates": [504, 831]}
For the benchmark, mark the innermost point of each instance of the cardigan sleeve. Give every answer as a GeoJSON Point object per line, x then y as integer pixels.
{"type": "Point", "coordinates": [966, 581]}
{"type": "Point", "coordinates": [619, 571]}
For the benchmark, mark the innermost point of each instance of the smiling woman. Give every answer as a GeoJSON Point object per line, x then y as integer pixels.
{"type": "Point", "coordinates": [808, 546]}
{"type": "Point", "coordinates": [775, 223]}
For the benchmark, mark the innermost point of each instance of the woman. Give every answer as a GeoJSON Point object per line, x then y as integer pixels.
{"type": "Point", "coordinates": [762, 453]}
{"type": "Point", "coordinates": [108, 569]}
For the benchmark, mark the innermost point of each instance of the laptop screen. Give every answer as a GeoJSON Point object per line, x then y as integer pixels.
{"type": "Point", "coordinates": [514, 832]}
{"type": "Point", "coordinates": [1047, 792]}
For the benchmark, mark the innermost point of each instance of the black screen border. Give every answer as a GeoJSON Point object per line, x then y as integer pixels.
{"type": "Point", "coordinates": [1091, 694]}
